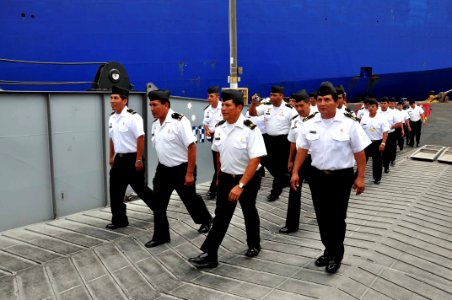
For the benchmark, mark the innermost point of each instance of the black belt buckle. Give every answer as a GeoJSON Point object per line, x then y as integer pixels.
{"type": "Point", "coordinates": [120, 155]}
{"type": "Point", "coordinates": [327, 172]}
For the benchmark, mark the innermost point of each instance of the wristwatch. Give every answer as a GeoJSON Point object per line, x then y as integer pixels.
{"type": "Point", "coordinates": [241, 185]}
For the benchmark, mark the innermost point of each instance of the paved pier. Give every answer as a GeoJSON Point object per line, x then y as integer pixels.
{"type": "Point", "coordinates": [398, 246]}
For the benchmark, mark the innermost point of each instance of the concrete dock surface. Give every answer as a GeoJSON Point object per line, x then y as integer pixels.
{"type": "Point", "coordinates": [398, 246]}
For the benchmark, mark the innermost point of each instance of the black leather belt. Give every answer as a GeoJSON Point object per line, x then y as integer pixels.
{"type": "Point", "coordinates": [232, 175]}
{"type": "Point", "coordinates": [126, 154]}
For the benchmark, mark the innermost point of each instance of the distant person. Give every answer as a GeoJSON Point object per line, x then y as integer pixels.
{"type": "Point", "coordinates": [126, 157]}
{"type": "Point", "coordinates": [417, 119]}
{"type": "Point", "coordinates": [277, 118]}
{"type": "Point", "coordinates": [212, 115]}
{"type": "Point", "coordinates": [377, 129]}
{"type": "Point", "coordinates": [302, 106]}
{"type": "Point", "coordinates": [389, 154]}
{"type": "Point", "coordinates": [240, 146]}
{"type": "Point", "coordinates": [336, 141]}
{"type": "Point", "coordinates": [174, 143]}
{"type": "Point", "coordinates": [405, 129]}
{"type": "Point", "coordinates": [313, 102]}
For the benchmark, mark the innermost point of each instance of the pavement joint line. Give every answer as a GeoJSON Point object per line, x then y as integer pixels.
{"type": "Point", "coordinates": [212, 289]}
{"type": "Point", "coordinates": [82, 280]}
{"type": "Point", "coordinates": [49, 278]}
{"type": "Point", "coordinates": [55, 238]}
{"type": "Point", "coordinates": [109, 274]}
{"type": "Point", "coordinates": [130, 225]}
{"type": "Point", "coordinates": [33, 246]}
{"type": "Point", "coordinates": [90, 235]}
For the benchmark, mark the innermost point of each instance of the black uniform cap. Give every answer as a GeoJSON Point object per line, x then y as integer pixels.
{"type": "Point", "coordinates": [372, 101]}
{"type": "Point", "coordinates": [299, 96]}
{"type": "Point", "coordinates": [213, 89]}
{"type": "Point", "coordinates": [411, 101]}
{"type": "Point", "coordinates": [340, 90]}
{"type": "Point", "coordinates": [235, 95]}
{"type": "Point", "coordinates": [162, 95]}
{"type": "Point", "coordinates": [392, 99]}
{"type": "Point", "coordinates": [277, 89]}
{"type": "Point", "coordinates": [384, 99]}
{"type": "Point", "coordinates": [327, 88]}
{"type": "Point", "coordinates": [120, 91]}
{"type": "Point", "coordinates": [313, 94]}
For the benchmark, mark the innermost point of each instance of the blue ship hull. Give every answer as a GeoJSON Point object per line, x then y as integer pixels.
{"type": "Point", "coordinates": [184, 45]}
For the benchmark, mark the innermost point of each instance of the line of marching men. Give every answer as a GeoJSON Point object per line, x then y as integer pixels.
{"type": "Point", "coordinates": [314, 137]}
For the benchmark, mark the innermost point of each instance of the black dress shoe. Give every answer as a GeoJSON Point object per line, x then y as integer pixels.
{"type": "Point", "coordinates": [321, 261]}
{"type": "Point", "coordinates": [155, 243]}
{"type": "Point", "coordinates": [333, 266]}
{"type": "Point", "coordinates": [286, 229]}
{"type": "Point", "coordinates": [392, 163]}
{"type": "Point", "coordinates": [377, 181]}
{"type": "Point", "coordinates": [204, 260]}
{"type": "Point", "coordinates": [210, 196]}
{"type": "Point", "coordinates": [272, 197]}
{"type": "Point", "coordinates": [205, 228]}
{"type": "Point", "coordinates": [252, 252]}
{"type": "Point", "coordinates": [386, 170]}
{"type": "Point", "coordinates": [116, 226]}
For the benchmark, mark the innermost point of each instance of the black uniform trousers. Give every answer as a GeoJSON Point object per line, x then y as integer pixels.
{"type": "Point", "coordinates": [294, 203]}
{"type": "Point", "coordinates": [122, 174]}
{"type": "Point", "coordinates": [399, 137]}
{"type": "Point", "coordinates": [415, 132]}
{"type": "Point", "coordinates": [166, 180]}
{"type": "Point", "coordinates": [330, 192]}
{"type": "Point", "coordinates": [377, 160]}
{"type": "Point", "coordinates": [278, 149]}
{"type": "Point", "coordinates": [225, 209]}
{"type": "Point", "coordinates": [213, 184]}
{"type": "Point", "coordinates": [389, 154]}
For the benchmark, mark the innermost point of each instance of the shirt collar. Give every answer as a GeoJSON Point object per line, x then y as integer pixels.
{"type": "Point", "coordinates": [239, 123]}
{"type": "Point", "coordinates": [169, 118]}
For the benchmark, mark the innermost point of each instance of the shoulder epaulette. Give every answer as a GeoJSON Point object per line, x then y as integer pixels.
{"type": "Point", "coordinates": [348, 109]}
{"type": "Point", "coordinates": [219, 123]}
{"type": "Point", "coordinates": [177, 116]}
{"type": "Point", "coordinates": [112, 113]}
{"type": "Point", "coordinates": [266, 103]}
{"type": "Point", "coordinates": [310, 116]}
{"type": "Point", "coordinates": [131, 111]}
{"type": "Point", "coordinates": [348, 114]}
{"type": "Point", "coordinates": [206, 106]}
{"type": "Point", "coordinates": [294, 117]}
{"type": "Point", "coordinates": [154, 120]}
{"type": "Point", "coordinates": [288, 105]}
{"type": "Point", "coordinates": [249, 124]}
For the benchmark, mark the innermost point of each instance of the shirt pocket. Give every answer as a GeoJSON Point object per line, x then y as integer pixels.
{"type": "Point", "coordinates": [341, 137]}
{"type": "Point", "coordinates": [312, 137]}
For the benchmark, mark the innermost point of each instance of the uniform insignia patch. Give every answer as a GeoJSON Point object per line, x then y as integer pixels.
{"type": "Point", "coordinates": [219, 123]}
{"type": "Point", "coordinates": [349, 115]}
{"type": "Point", "coordinates": [177, 116]}
{"type": "Point", "coordinates": [310, 116]}
{"type": "Point", "coordinates": [249, 124]}
{"type": "Point", "coordinates": [131, 111]}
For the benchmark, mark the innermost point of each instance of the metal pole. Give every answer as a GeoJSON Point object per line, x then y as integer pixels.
{"type": "Point", "coordinates": [105, 147]}
{"type": "Point", "coordinates": [233, 76]}
{"type": "Point", "coordinates": [51, 160]}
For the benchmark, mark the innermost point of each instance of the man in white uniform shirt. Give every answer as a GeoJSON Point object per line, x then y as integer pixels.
{"type": "Point", "coordinates": [277, 118]}
{"type": "Point", "coordinates": [302, 106]}
{"type": "Point", "coordinates": [417, 118]}
{"type": "Point", "coordinates": [394, 122]}
{"type": "Point", "coordinates": [174, 142]}
{"type": "Point", "coordinates": [212, 115]}
{"type": "Point", "coordinates": [377, 129]}
{"type": "Point", "coordinates": [240, 146]}
{"type": "Point", "coordinates": [126, 157]}
{"type": "Point", "coordinates": [335, 141]}
{"type": "Point", "coordinates": [406, 128]}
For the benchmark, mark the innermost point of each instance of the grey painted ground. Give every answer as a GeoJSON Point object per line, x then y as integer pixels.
{"type": "Point", "coordinates": [398, 246]}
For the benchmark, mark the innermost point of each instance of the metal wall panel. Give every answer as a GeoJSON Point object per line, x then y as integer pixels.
{"type": "Point", "coordinates": [25, 187]}
{"type": "Point", "coordinates": [77, 152]}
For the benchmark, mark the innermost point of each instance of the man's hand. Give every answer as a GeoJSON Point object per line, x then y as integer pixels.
{"type": "Point", "coordinates": [294, 181]}
{"type": "Point", "coordinates": [235, 193]}
{"type": "Point", "coordinates": [381, 148]}
{"type": "Point", "coordinates": [112, 161]}
{"type": "Point", "coordinates": [189, 180]}
{"type": "Point", "coordinates": [139, 165]}
{"type": "Point", "coordinates": [359, 185]}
